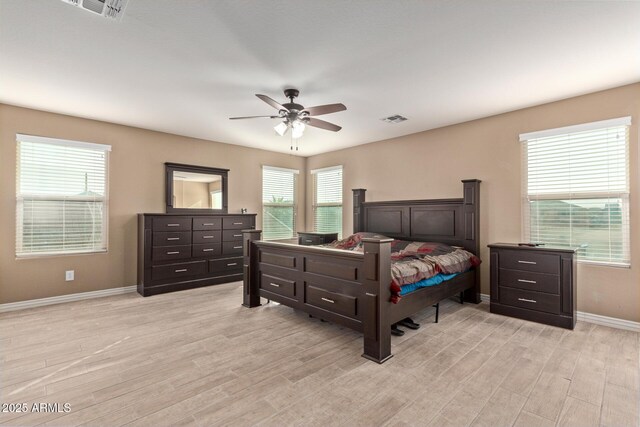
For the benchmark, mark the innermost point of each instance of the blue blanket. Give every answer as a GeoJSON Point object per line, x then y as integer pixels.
{"type": "Point", "coordinates": [431, 281]}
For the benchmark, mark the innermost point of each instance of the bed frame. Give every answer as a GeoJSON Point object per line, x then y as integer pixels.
{"type": "Point", "coordinates": [352, 288]}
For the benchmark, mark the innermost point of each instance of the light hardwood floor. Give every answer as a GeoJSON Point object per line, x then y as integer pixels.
{"type": "Point", "coordinates": [198, 358]}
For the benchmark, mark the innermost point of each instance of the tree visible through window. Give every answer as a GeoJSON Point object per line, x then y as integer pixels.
{"type": "Point", "coordinates": [61, 196]}
{"type": "Point", "coordinates": [278, 203]}
{"type": "Point", "coordinates": [576, 189]}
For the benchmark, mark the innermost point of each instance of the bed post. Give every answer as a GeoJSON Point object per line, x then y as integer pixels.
{"type": "Point", "coordinates": [376, 282]}
{"type": "Point", "coordinates": [250, 294]}
{"type": "Point", "coordinates": [358, 209]}
{"type": "Point", "coordinates": [471, 212]}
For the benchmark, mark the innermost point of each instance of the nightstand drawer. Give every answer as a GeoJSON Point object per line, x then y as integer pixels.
{"type": "Point", "coordinates": [539, 282]}
{"type": "Point", "coordinates": [537, 301]}
{"type": "Point", "coordinates": [310, 240]}
{"type": "Point", "coordinates": [530, 261]}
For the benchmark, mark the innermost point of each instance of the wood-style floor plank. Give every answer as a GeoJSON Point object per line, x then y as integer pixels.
{"type": "Point", "coordinates": [197, 358]}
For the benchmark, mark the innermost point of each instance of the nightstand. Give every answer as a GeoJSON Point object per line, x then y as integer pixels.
{"type": "Point", "coordinates": [534, 283]}
{"type": "Point", "coordinates": [312, 238]}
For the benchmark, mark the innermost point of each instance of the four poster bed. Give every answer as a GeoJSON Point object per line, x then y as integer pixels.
{"type": "Point", "coordinates": [353, 288]}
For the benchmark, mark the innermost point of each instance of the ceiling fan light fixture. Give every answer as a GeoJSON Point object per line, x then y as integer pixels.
{"type": "Point", "coordinates": [281, 128]}
{"type": "Point", "coordinates": [298, 129]}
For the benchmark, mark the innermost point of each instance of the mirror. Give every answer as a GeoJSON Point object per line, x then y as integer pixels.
{"type": "Point", "coordinates": [195, 188]}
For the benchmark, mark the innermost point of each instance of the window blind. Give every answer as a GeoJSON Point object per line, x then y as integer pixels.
{"type": "Point", "coordinates": [278, 203]}
{"type": "Point", "coordinates": [327, 204]}
{"type": "Point", "coordinates": [576, 190]}
{"type": "Point", "coordinates": [61, 196]}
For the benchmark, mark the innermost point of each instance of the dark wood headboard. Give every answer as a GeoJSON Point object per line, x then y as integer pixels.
{"type": "Point", "coordinates": [451, 221]}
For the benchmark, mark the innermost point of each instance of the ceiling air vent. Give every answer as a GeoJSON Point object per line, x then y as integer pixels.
{"type": "Point", "coordinates": [108, 8]}
{"type": "Point", "coordinates": [394, 119]}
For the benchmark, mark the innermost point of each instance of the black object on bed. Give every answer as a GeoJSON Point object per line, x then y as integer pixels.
{"type": "Point", "coordinates": [353, 288]}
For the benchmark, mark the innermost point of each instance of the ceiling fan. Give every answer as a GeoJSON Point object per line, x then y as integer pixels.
{"type": "Point", "coordinates": [295, 116]}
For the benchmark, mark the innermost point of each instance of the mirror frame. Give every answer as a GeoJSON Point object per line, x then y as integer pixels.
{"type": "Point", "coordinates": [170, 168]}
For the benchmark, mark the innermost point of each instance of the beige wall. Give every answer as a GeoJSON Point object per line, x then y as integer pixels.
{"type": "Point", "coordinates": [431, 164]}
{"type": "Point", "coordinates": [136, 185]}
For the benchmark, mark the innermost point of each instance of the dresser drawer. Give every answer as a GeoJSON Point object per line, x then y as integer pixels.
{"type": "Point", "coordinates": [207, 237]}
{"type": "Point", "coordinates": [165, 253]}
{"type": "Point", "coordinates": [173, 271]}
{"type": "Point", "coordinates": [278, 286]}
{"type": "Point", "coordinates": [206, 250]}
{"type": "Point", "coordinates": [237, 222]}
{"type": "Point", "coordinates": [171, 224]}
{"type": "Point", "coordinates": [207, 223]}
{"type": "Point", "coordinates": [528, 280]}
{"type": "Point", "coordinates": [530, 261]}
{"type": "Point", "coordinates": [536, 301]}
{"type": "Point", "coordinates": [171, 238]}
{"type": "Point", "coordinates": [232, 248]}
{"type": "Point", "coordinates": [333, 301]}
{"type": "Point", "coordinates": [231, 265]}
{"type": "Point", "coordinates": [231, 235]}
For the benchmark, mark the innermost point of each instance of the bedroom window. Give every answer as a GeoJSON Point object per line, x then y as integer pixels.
{"type": "Point", "coordinates": [61, 197]}
{"type": "Point", "coordinates": [327, 200]}
{"type": "Point", "coordinates": [576, 189]}
{"type": "Point", "coordinates": [278, 203]}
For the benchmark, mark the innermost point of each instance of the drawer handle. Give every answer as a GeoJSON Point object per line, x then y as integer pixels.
{"type": "Point", "coordinates": [237, 247]}
{"type": "Point", "coordinates": [182, 270]}
{"type": "Point", "coordinates": [527, 281]}
{"type": "Point", "coordinates": [528, 262]}
{"type": "Point", "coordinates": [173, 225]}
{"type": "Point", "coordinates": [308, 241]}
{"type": "Point", "coordinates": [207, 237]}
{"type": "Point", "coordinates": [238, 223]}
{"type": "Point", "coordinates": [237, 235]}
{"type": "Point", "coordinates": [207, 223]}
{"type": "Point", "coordinates": [232, 263]}
{"type": "Point", "coordinates": [275, 284]}
{"type": "Point", "coordinates": [173, 238]}
{"type": "Point", "coordinates": [527, 300]}
{"type": "Point", "coordinates": [328, 300]}
{"type": "Point", "coordinates": [173, 252]}
{"type": "Point", "coordinates": [207, 250]}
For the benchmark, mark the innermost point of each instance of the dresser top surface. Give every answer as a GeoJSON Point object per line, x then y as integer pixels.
{"type": "Point", "coordinates": [542, 248]}
{"type": "Point", "coordinates": [198, 214]}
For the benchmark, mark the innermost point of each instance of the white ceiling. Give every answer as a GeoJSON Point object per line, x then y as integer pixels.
{"type": "Point", "coordinates": [186, 66]}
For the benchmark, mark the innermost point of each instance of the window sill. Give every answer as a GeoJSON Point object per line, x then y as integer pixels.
{"type": "Point", "coordinates": [58, 254]}
{"type": "Point", "coordinates": [605, 264]}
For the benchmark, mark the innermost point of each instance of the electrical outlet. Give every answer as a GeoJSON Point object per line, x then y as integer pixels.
{"type": "Point", "coordinates": [69, 275]}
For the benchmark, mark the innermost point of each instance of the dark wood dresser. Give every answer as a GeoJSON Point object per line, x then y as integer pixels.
{"type": "Point", "coordinates": [311, 238]}
{"type": "Point", "coordinates": [177, 251]}
{"type": "Point", "coordinates": [534, 283]}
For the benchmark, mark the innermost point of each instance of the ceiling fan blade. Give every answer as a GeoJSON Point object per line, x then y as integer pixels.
{"type": "Point", "coordinates": [324, 109]}
{"type": "Point", "coordinates": [321, 124]}
{"type": "Point", "coordinates": [271, 102]}
{"type": "Point", "coordinates": [255, 117]}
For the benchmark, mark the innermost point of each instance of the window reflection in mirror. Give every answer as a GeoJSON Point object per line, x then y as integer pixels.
{"type": "Point", "coordinates": [193, 190]}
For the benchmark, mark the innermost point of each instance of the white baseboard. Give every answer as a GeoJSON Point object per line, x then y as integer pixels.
{"type": "Point", "coordinates": [596, 319]}
{"type": "Point", "coordinates": [611, 322]}
{"type": "Point", "coordinates": [65, 298]}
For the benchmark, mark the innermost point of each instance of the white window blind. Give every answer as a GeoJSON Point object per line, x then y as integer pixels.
{"type": "Point", "coordinates": [278, 203]}
{"type": "Point", "coordinates": [61, 196]}
{"type": "Point", "coordinates": [576, 190]}
{"type": "Point", "coordinates": [327, 200]}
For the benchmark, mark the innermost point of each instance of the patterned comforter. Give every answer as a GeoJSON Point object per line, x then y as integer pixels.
{"type": "Point", "coordinates": [415, 261]}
